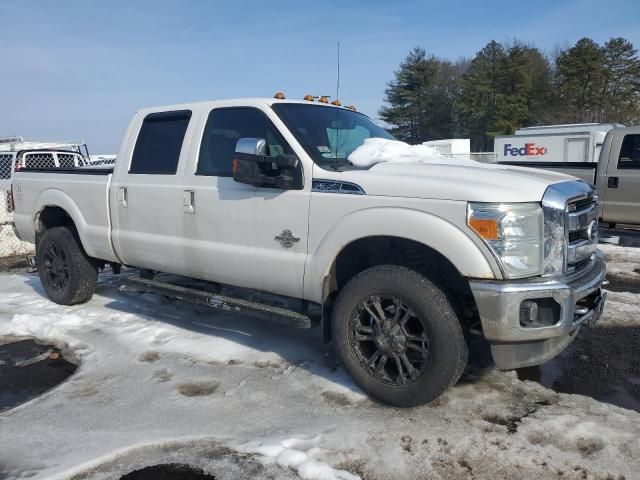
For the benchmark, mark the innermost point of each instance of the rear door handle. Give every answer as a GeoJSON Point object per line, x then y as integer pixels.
{"type": "Point", "coordinates": [188, 201]}
{"type": "Point", "coordinates": [612, 182]}
{"type": "Point", "coordinates": [122, 196]}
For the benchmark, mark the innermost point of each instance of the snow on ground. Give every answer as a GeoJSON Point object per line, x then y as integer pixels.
{"type": "Point", "coordinates": [163, 381]}
{"type": "Point", "coordinates": [623, 262]}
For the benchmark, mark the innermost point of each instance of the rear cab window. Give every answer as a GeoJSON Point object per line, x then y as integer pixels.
{"type": "Point", "coordinates": [630, 152]}
{"type": "Point", "coordinates": [159, 142]}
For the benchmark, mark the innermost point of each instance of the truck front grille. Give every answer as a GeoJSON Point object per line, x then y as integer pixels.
{"type": "Point", "coordinates": [582, 233]}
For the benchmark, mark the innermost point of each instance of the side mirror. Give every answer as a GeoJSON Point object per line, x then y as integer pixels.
{"type": "Point", "coordinates": [253, 166]}
{"type": "Point", "coordinates": [252, 146]}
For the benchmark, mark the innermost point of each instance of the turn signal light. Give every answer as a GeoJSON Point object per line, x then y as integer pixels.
{"type": "Point", "coordinates": [279, 96]}
{"type": "Point", "coordinates": [323, 99]}
{"type": "Point", "coordinates": [308, 98]}
{"type": "Point", "coordinates": [486, 228]}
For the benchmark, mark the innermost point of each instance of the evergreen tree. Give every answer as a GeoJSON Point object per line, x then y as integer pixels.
{"type": "Point", "coordinates": [507, 87]}
{"type": "Point", "coordinates": [523, 90]}
{"type": "Point", "coordinates": [479, 98]}
{"type": "Point", "coordinates": [621, 91]}
{"type": "Point", "coordinates": [581, 81]}
{"type": "Point", "coordinates": [419, 102]}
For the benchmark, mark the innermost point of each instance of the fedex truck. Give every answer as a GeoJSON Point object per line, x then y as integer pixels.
{"type": "Point", "coordinates": [572, 143]}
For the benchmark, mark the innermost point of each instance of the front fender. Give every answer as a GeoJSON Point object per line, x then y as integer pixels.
{"type": "Point", "coordinates": [430, 230]}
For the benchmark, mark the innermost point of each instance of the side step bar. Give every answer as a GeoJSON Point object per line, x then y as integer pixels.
{"type": "Point", "coordinates": [221, 302]}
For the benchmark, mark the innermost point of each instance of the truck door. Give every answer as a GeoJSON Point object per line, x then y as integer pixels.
{"type": "Point", "coordinates": [622, 194]}
{"type": "Point", "coordinates": [146, 195]}
{"type": "Point", "coordinates": [239, 234]}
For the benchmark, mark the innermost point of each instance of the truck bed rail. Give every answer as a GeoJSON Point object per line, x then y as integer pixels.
{"type": "Point", "coordinates": [585, 165]}
{"type": "Point", "coordinates": [76, 170]}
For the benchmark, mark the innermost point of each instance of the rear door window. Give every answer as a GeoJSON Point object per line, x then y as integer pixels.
{"type": "Point", "coordinates": [630, 152]}
{"type": "Point", "coordinates": [159, 143]}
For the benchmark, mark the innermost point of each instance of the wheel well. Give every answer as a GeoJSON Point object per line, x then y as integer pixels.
{"type": "Point", "coordinates": [386, 250]}
{"type": "Point", "coordinates": [50, 217]}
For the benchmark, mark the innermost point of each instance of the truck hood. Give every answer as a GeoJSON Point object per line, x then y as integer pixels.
{"type": "Point", "coordinates": [448, 181]}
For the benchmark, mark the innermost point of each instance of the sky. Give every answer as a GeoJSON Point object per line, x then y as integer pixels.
{"type": "Point", "coordinates": [78, 69]}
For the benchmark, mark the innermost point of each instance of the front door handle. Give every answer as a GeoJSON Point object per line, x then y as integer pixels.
{"type": "Point", "coordinates": [612, 182]}
{"type": "Point", "coordinates": [122, 196]}
{"type": "Point", "coordinates": [188, 201]}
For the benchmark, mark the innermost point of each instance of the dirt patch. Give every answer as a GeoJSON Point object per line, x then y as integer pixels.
{"type": "Point", "coordinates": [198, 389]}
{"type": "Point", "coordinates": [602, 363]}
{"type": "Point", "coordinates": [15, 264]}
{"type": "Point", "coordinates": [511, 422]}
{"type": "Point", "coordinates": [619, 283]}
{"type": "Point", "coordinates": [171, 471]}
{"type": "Point", "coordinates": [266, 364]}
{"type": "Point", "coordinates": [28, 369]}
{"type": "Point", "coordinates": [149, 356]}
{"type": "Point", "coordinates": [338, 399]}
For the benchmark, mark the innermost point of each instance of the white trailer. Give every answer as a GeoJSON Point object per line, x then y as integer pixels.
{"type": "Point", "coordinates": [572, 143]}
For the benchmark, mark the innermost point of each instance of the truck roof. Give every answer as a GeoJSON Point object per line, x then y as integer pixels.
{"type": "Point", "coordinates": [233, 102]}
{"type": "Point", "coordinates": [568, 128]}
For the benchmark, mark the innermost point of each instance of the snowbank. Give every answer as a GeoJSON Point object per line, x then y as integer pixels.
{"type": "Point", "coordinates": [377, 150]}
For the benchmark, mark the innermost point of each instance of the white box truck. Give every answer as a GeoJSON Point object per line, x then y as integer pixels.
{"type": "Point", "coordinates": [579, 142]}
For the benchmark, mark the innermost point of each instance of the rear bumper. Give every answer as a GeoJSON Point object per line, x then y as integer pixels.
{"type": "Point", "coordinates": [513, 345]}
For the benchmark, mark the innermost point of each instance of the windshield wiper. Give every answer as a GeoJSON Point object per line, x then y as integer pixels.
{"type": "Point", "coordinates": [341, 163]}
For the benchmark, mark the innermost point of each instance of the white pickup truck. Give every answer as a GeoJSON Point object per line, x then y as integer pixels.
{"type": "Point", "coordinates": [404, 259]}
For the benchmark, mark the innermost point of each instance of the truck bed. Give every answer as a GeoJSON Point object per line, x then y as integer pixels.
{"type": "Point", "coordinates": [583, 170]}
{"type": "Point", "coordinates": [82, 192]}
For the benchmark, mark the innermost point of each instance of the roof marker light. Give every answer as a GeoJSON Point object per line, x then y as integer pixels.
{"type": "Point", "coordinates": [279, 96]}
{"type": "Point", "coordinates": [352, 108]}
{"type": "Point", "coordinates": [324, 99]}
{"type": "Point", "coordinates": [336, 103]}
{"type": "Point", "coordinates": [308, 98]}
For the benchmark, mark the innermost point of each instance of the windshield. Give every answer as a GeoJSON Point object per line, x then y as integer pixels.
{"type": "Point", "coordinates": [328, 134]}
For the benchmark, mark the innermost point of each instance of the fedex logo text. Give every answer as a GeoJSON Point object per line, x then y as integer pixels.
{"type": "Point", "coordinates": [529, 150]}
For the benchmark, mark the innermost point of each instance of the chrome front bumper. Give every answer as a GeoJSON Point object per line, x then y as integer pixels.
{"type": "Point", "coordinates": [514, 345]}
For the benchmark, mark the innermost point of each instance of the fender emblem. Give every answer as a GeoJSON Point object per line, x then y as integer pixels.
{"type": "Point", "coordinates": [286, 239]}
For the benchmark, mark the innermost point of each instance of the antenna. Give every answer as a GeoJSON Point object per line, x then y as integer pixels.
{"type": "Point", "coordinates": [338, 75]}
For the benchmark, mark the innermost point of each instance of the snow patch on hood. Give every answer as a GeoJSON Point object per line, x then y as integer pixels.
{"type": "Point", "coordinates": [379, 150]}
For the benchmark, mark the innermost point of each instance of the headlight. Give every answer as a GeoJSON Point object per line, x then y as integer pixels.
{"type": "Point", "coordinates": [513, 232]}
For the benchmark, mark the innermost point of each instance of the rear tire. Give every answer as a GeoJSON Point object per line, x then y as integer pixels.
{"type": "Point", "coordinates": [398, 336]}
{"type": "Point", "coordinates": [68, 275]}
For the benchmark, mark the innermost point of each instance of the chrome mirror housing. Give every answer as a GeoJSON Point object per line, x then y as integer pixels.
{"type": "Point", "coordinates": [252, 146]}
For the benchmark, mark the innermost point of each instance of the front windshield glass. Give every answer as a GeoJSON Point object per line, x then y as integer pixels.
{"type": "Point", "coordinates": [328, 134]}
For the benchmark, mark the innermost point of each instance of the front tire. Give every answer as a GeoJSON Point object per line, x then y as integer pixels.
{"type": "Point", "coordinates": [398, 336]}
{"type": "Point", "coordinates": [68, 275]}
